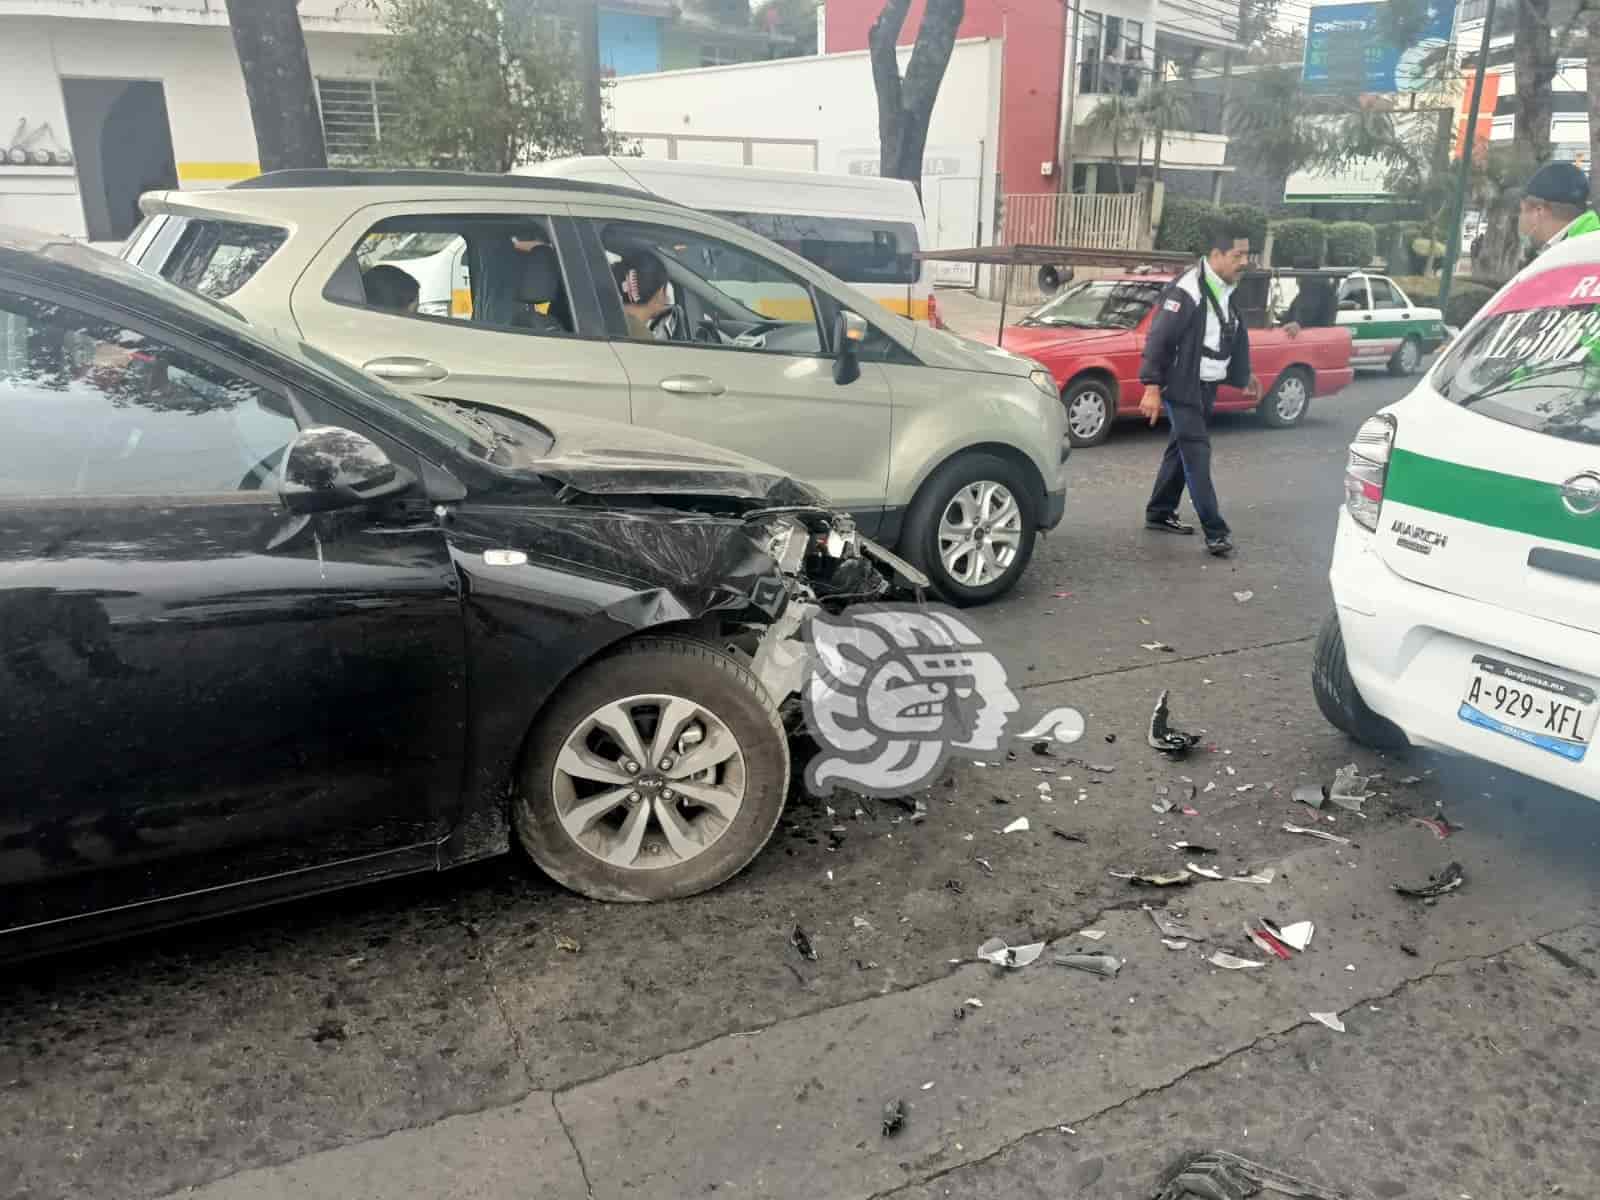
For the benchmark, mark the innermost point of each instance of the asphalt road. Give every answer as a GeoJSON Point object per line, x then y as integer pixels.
{"type": "Point", "coordinates": [429, 1039]}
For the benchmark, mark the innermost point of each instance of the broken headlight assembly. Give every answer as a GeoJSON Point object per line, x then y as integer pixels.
{"type": "Point", "coordinates": [825, 551]}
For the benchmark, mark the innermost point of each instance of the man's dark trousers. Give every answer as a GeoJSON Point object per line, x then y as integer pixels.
{"type": "Point", "coordinates": [1188, 460]}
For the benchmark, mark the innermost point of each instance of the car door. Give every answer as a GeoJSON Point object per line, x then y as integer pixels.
{"type": "Point", "coordinates": [201, 690]}
{"type": "Point", "coordinates": [1356, 315]}
{"type": "Point", "coordinates": [762, 380]}
{"type": "Point", "coordinates": [524, 333]}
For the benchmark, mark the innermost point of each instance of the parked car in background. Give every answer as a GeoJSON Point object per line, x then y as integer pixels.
{"type": "Point", "coordinates": [1466, 571]}
{"type": "Point", "coordinates": [268, 627]}
{"type": "Point", "coordinates": [1389, 331]}
{"type": "Point", "coordinates": [951, 451]}
{"type": "Point", "coordinates": [1091, 337]}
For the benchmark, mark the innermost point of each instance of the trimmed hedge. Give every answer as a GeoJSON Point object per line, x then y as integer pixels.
{"type": "Point", "coordinates": [1298, 243]}
{"type": "Point", "coordinates": [1391, 248]}
{"type": "Point", "coordinates": [1465, 301]}
{"type": "Point", "coordinates": [1187, 225]}
{"type": "Point", "coordinates": [1351, 244]}
{"type": "Point", "coordinates": [1252, 218]}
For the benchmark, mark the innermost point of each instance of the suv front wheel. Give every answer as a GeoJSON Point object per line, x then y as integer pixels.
{"type": "Point", "coordinates": [971, 528]}
{"type": "Point", "coordinates": [659, 771]}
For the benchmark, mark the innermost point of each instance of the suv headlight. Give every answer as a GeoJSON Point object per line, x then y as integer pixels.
{"type": "Point", "coordinates": [1045, 382]}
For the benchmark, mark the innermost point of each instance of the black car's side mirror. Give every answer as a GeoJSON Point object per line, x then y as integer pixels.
{"type": "Point", "coordinates": [849, 331]}
{"type": "Point", "coordinates": [328, 468]}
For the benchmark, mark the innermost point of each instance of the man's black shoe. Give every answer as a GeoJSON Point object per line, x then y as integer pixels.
{"type": "Point", "coordinates": [1220, 546]}
{"type": "Point", "coordinates": [1167, 525]}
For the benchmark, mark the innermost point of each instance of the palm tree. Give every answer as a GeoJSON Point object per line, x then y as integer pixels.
{"type": "Point", "coordinates": [1116, 117]}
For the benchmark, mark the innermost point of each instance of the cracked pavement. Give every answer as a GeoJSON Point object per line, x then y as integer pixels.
{"type": "Point", "coordinates": [427, 1038]}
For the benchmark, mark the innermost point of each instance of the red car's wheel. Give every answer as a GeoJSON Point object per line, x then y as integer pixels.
{"type": "Point", "coordinates": [1289, 400]}
{"type": "Point", "coordinates": [1091, 408]}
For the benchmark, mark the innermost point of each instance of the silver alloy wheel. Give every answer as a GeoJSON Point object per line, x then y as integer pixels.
{"type": "Point", "coordinates": [979, 533]}
{"type": "Point", "coordinates": [1410, 356]}
{"type": "Point", "coordinates": [648, 782]}
{"type": "Point", "coordinates": [1088, 414]}
{"type": "Point", "coordinates": [1290, 398]}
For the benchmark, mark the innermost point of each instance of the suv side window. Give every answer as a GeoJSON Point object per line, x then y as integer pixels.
{"type": "Point", "coordinates": [1383, 295]}
{"type": "Point", "coordinates": [92, 408]}
{"type": "Point", "coordinates": [217, 258]}
{"type": "Point", "coordinates": [493, 272]}
{"type": "Point", "coordinates": [729, 297]}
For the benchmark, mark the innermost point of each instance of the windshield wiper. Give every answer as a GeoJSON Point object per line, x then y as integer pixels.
{"type": "Point", "coordinates": [1523, 377]}
{"type": "Point", "coordinates": [1073, 322]}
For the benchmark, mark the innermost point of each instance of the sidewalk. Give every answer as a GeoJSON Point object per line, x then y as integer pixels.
{"type": "Point", "coordinates": [970, 315]}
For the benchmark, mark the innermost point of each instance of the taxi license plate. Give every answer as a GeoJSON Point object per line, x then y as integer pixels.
{"type": "Point", "coordinates": [1541, 710]}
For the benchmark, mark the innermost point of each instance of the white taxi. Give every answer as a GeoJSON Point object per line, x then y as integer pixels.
{"type": "Point", "coordinates": [1466, 574]}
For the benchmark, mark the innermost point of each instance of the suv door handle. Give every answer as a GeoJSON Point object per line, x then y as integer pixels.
{"type": "Point", "coordinates": [692, 385]}
{"type": "Point", "coordinates": [405, 370]}
{"type": "Point", "coordinates": [1368, 317]}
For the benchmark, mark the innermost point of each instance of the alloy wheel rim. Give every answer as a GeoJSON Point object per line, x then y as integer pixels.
{"type": "Point", "coordinates": [1409, 357]}
{"type": "Point", "coordinates": [1087, 414]}
{"type": "Point", "coordinates": [649, 782]}
{"type": "Point", "coordinates": [1291, 398]}
{"type": "Point", "coordinates": [980, 533]}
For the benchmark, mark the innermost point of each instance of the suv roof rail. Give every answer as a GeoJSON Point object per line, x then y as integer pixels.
{"type": "Point", "coordinates": [323, 177]}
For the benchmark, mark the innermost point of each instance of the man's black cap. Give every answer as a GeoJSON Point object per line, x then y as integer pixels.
{"type": "Point", "coordinates": [1559, 183]}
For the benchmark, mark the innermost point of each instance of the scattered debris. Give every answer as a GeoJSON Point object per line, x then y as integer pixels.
{"type": "Point", "coordinates": [1265, 942]}
{"type": "Point", "coordinates": [928, 1087]}
{"type": "Point", "coordinates": [1296, 934]}
{"type": "Point", "coordinates": [954, 885]}
{"type": "Point", "coordinates": [1245, 787]}
{"type": "Point", "coordinates": [997, 952]}
{"type": "Point", "coordinates": [1244, 597]}
{"type": "Point", "coordinates": [802, 943]}
{"type": "Point", "coordinates": [1190, 848]}
{"type": "Point", "coordinates": [894, 1117]}
{"type": "Point", "coordinates": [985, 866]}
{"type": "Point", "coordinates": [973, 1002]}
{"type": "Point", "coordinates": [1162, 879]}
{"type": "Point", "coordinates": [1290, 827]}
{"type": "Point", "coordinates": [1219, 1175]}
{"type": "Point", "coordinates": [860, 923]}
{"type": "Point", "coordinates": [1440, 825]}
{"type": "Point", "coordinates": [1094, 935]}
{"type": "Point", "coordinates": [1042, 748]}
{"type": "Point", "coordinates": [1111, 739]}
{"type": "Point", "coordinates": [570, 945]}
{"type": "Point", "coordinates": [1069, 837]}
{"type": "Point", "coordinates": [1189, 812]}
{"type": "Point", "coordinates": [1175, 943]}
{"type": "Point", "coordinates": [1211, 787]}
{"type": "Point", "coordinates": [1096, 964]}
{"type": "Point", "coordinates": [1163, 803]}
{"type": "Point", "coordinates": [1408, 951]}
{"type": "Point", "coordinates": [1171, 927]}
{"type": "Point", "coordinates": [1349, 788]}
{"type": "Point", "coordinates": [919, 811]}
{"type": "Point", "coordinates": [1263, 876]}
{"type": "Point", "coordinates": [1409, 780]}
{"type": "Point", "coordinates": [1313, 794]}
{"type": "Point", "coordinates": [1205, 872]}
{"type": "Point", "coordinates": [1173, 795]}
{"type": "Point", "coordinates": [329, 1031]}
{"type": "Point", "coordinates": [1020, 825]}
{"type": "Point", "coordinates": [1098, 769]}
{"type": "Point", "coordinates": [1231, 962]}
{"type": "Point", "coordinates": [1331, 1020]}
{"type": "Point", "coordinates": [1157, 647]}
{"type": "Point", "coordinates": [1163, 736]}
{"type": "Point", "coordinates": [1447, 880]}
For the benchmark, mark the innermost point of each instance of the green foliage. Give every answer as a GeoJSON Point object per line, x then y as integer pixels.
{"type": "Point", "coordinates": [1187, 225]}
{"type": "Point", "coordinates": [476, 85]}
{"type": "Point", "coordinates": [1465, 301]}
{"type": "Point", "coordinates": [1420, 289]}
{"type": "Point", "coordinates": [1298, 243]}
{"type": "Point", "coordinates": [1252, 218]}
{"type": "Point", "coordinates": [1351, 244]}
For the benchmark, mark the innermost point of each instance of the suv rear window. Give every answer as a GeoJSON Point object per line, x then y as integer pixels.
{"type": "Point", "coordinates": [217, 258]}
{"type": "Point", "coordinates": [1534, 361]}
{"type": "Point", "coordinates": [848, 248]}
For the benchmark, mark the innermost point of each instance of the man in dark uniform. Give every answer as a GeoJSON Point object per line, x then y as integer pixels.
{"type": "Point", "coordinates": [1197, 342]}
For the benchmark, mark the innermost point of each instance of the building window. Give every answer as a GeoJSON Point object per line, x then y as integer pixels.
{"type": "Point", "coordinates": [1110, 54]}
{"type": "Point", "coordinates": [353, 113]}
{"type": "Point", "coordinates": [719, 56]}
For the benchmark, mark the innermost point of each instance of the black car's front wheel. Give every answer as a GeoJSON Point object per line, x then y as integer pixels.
{"type": "Point", "coordinates": [971, 528]}
{"type": "Point", "coordinates": [659, 772]}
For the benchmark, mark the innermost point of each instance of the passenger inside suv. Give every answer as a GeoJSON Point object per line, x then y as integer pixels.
{"type": "Point", "coordinates": [542, 304]}
{"type": "Point", "coordinates": [391, 288]}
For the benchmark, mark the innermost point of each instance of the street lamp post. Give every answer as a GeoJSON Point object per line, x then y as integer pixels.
{"type": "Point", "coordinates": [1468, 146]}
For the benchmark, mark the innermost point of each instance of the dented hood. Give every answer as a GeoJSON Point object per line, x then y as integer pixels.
{"type": "Point", "coordinates": [608, 458]}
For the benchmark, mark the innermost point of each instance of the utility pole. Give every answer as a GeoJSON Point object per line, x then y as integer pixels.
{"type": "Point", "coordinates": [593, 102]}
{"type": "Point", "coordinates": [1222, 119]}
{"type": "Point", "coordinates": [1067, 124]}
{"type": "Point", "coordinates": [1469, 145]}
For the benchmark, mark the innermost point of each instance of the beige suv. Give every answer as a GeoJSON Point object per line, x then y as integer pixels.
{"type": "Point", "coordinates": [951, 451]}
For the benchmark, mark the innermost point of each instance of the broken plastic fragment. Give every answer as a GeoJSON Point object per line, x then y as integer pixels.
{"type": "Point", "coordinates": [1440, 827]}
{"type": "Point", "coordinates": [1265, 875]}
{"type": "Point", "coordinates": [801, 942]}
{"type": "Point", "coordinates": [928, 1087]}
{"type": "Point", "coordinates": [1020, 825]}
{"type": "Point", "coordinates": [1331, 1020]}
{"type": "Point", "coordinates": [1171, 927]}
{"type": "Point", "coordinates": [1447, 880]}
{"type": "Point", "coordinates": [1296, 935]}
{"type": "Point", "coordinates": [1175, 943]}
{"type": "Point", "coordinates": [1204, 872]}
{"type": "Point", "coordinates": [1289, 827]}
{"type": "Point", "coordinates": [1157, 647]}
{"type": "Point", "coordinates": [1266, 942]}
{"type": "Point", "coordinates": [1190, 848]}
{"type": "Point", "coordinates": [1161, 879]}
{"type": "Point", "coordinates": [1042, 748]}
{"type": "Point", "coordinates": [1231, 962]}
{"type": "Point", "coordinates": [1099, 769]}
{"type": "Point", "coordinates": [997, 952]}
{"type": "Point", "coordinates": [1163, 736]}
{"type": "Point", "coordinates": [1410, 780]}
{"type": "Point", "coordinates": [894, 1117]}
{"type": "Point", "coordinates": [860, 923]}
{"type": "Point", "coordinates": [1096, 964]}
{"type": "Point", "coordinates": [1349, 789]}
{"type": "Point", "coordinates": [570, 945]}
{"type": "Point", "coordinates": [1069, 837]}
{"type": "Point", "coordinates": [973, 1002]}
{"type": "Point", "coordinates": [1245, 787]}
{"type": "Point", "coordinates": [1244, 597]}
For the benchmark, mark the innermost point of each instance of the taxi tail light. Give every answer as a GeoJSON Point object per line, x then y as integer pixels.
{"type": "Point", "coordinates": [1367, 470]}
{"type": "Point", "coordinates": [933, 312]}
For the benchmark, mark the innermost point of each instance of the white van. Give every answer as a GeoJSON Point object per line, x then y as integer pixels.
{"type": "Point", "coordinates": [859, 228]}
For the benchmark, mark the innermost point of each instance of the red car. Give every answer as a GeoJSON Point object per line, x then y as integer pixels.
{"type": "Point", "coordinates": [1091, 335]}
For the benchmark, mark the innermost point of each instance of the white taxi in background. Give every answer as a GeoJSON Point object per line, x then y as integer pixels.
{"type": "Point", "coordinates": [1466, 575]}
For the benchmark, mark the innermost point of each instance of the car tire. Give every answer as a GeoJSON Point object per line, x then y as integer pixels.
{"type": "Point", "coordinates": [1407, 359]}
{"type": "Point", "coordinates": [604, 853]}
{"type": "Point", "coordinates": [1287, 404]}
{"type": "Point", "coordinates": [1340, 701]}
{"type": "Point", "coordinates": [1080, 400]}
{"type": "Point", "coordinates": [933, 524]}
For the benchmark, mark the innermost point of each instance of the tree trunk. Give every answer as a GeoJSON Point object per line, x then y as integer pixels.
{"type": "Point", "coordinates": [593, 114]}
{"type": "Point", "coordinates": [905, 105]}
{"type": "Point", "coordinates": [278, 84]}
{"type": "Point", "coordinates": [1535, 60]}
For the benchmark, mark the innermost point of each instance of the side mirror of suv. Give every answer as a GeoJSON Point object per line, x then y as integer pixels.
{"type": "Point", "coordinates": [849, 331]}
{"type": "Point", "coordinates": [328, 468]}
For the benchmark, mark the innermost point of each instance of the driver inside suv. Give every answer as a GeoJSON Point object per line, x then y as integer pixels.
{"type": "Point", "coordinates": [642, 280]}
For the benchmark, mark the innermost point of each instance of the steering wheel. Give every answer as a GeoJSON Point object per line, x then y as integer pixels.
{"type": "Point", "coordinates": [675, 321]}
{"type": "Point", "coordinates": [708, 330]}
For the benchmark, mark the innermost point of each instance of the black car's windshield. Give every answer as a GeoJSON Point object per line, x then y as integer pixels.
{"type": "Point", "coordinates": [1536, 368]}
{"type": "Point", "coordinates": [1099, 304]}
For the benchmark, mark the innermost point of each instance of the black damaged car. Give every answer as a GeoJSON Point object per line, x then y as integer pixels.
{"type": "Point", "coordinates": [268, 627]}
